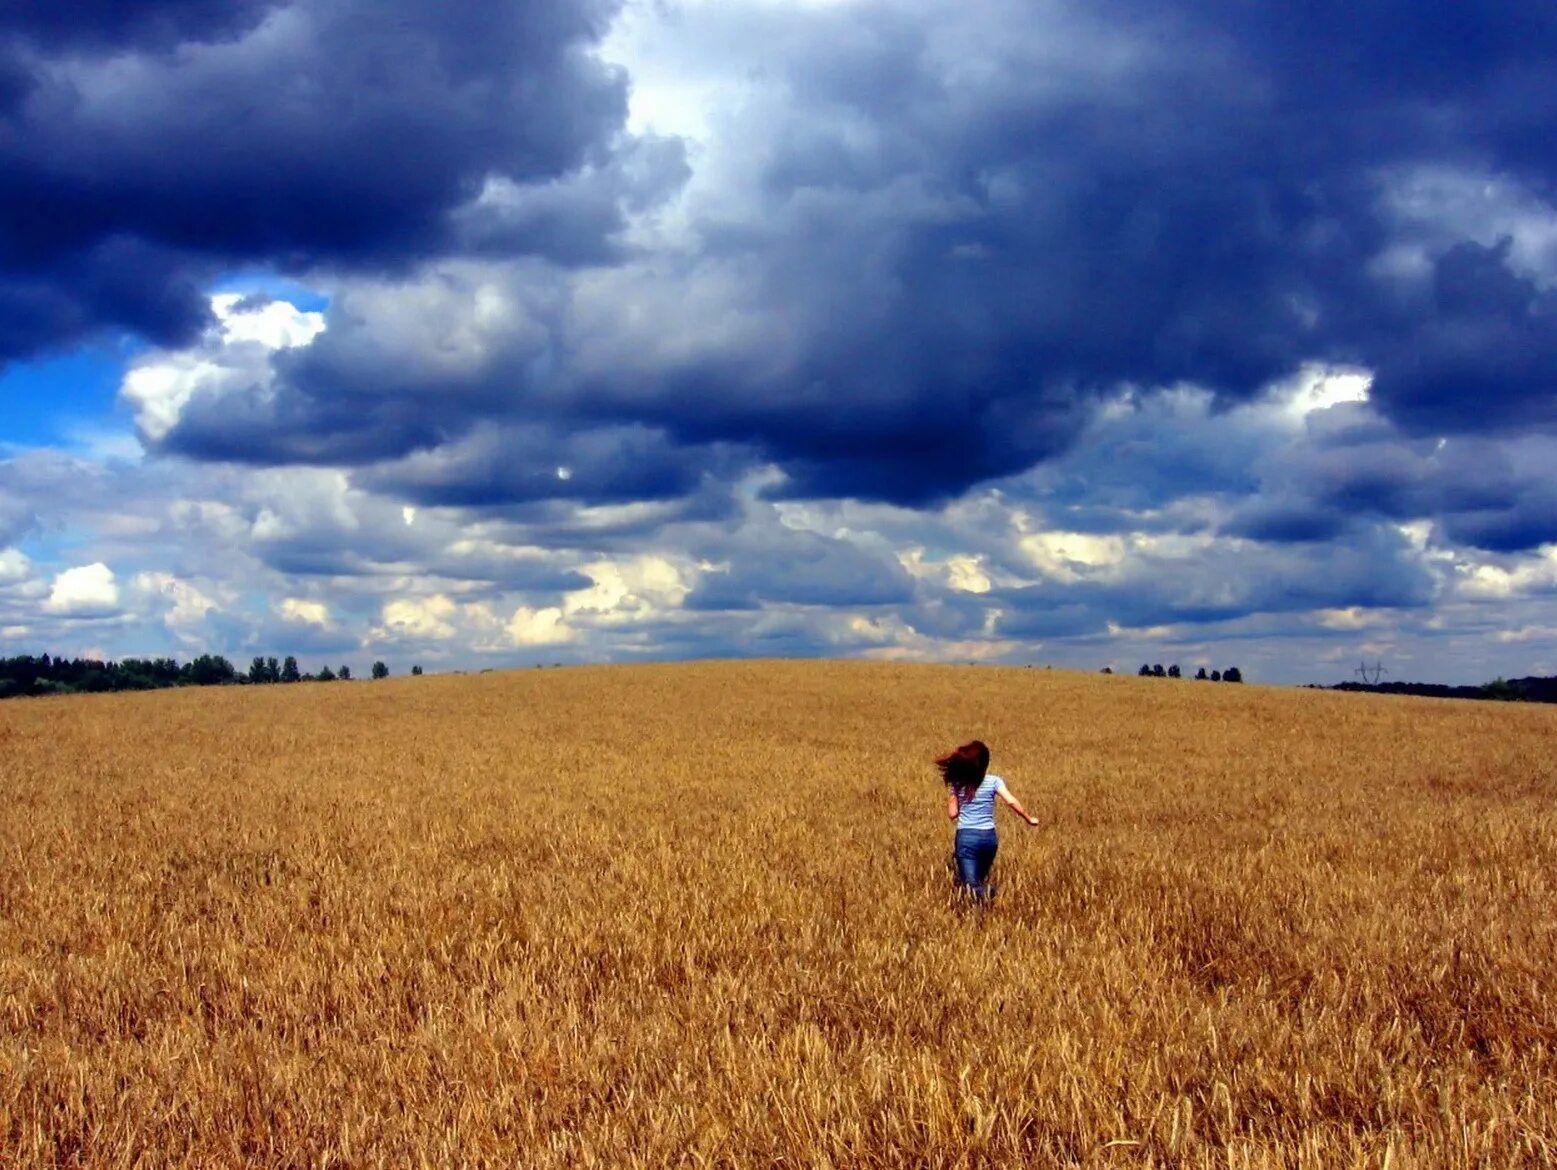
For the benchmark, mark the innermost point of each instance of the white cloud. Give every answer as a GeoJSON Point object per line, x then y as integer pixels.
{"type": "Point", "coordinates": [14, 566]}
{"type": "Point", "coordinates": [272, 324]}
{"type": "Point", "coordinates": [313, 613]}
{"type": "Point", "coordinates": [303, 501]}
{"type": "Point", "coordinates": [84, 591]}
{"type": "Point", "coordinates": [629, 590]}
{"type": "Point", "coordinates": [418, 618]}
{"type": "Point", "coordinates": [888, 638]}
{"type": "Point", "coordinates": [185, 617]}
{"type": "Point", "coordinates": [1492, 582]}
{"type": "Point", "coordinates": [1067, 556]}
{"type": "Point", "coordinates": [1351, 617]}
{"type": "Point", "coordinates": [208, 519]}
{"type": "Point", "coordinates": [1525, 576]}
{"type": "Point", "coordinates": [539, 627]}
{"type": "Point", "coordinates": [233, 356]}
{"type": "Point", "coordinates": [1527, 634]}
{"type": "Point", "coordinates": [1317, 387]}
{"type": "Point", "coordinates": [966, 574]}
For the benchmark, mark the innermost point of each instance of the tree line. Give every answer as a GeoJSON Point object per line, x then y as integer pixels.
{"type": "Point", "coordinates": [1148, 670]}
{"type": "Point", "coordinates": [1533, 689]}
{"type": "Point", "coordinates": [45, 675]}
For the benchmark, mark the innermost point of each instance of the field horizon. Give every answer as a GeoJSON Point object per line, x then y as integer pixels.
{"type": "Point", "coordinates": [699, 913]}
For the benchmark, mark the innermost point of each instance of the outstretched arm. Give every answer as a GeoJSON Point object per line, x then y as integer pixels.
{"type": "Point", "coordinates": [1016, 806]}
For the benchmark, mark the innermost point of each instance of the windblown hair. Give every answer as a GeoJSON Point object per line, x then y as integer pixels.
{"type": "Point", "coordinates": [964, 768]}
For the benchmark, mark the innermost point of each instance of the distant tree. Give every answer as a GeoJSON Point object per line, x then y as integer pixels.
{"type": "Point", "coordinates": [344, 674]}
{"type": "Point", "coordinates": [142, 674]}
{"type": "Point", "coordinates": [325, 675]}
{"type": "Point", "coordinates": [416, 670]}
{"type": "Point", "coordinates": [289, 671]}
{"type": "Point", "coordinates": [211, 670]}
{"type": "Point", "coordinates": [272, 670]}
{"type": "Point", "coordinates": [1145, 671]}
{"type": "Point", "coordinates": [1201, 674]}
{"type": "Point", "coordinates": [1108, 670]}
{"type": "Point", "coordinates": [1173, 671]}
{"type": "Point", "coordinates": [1216, 676]}
{"type": "Point", "coordinates": [1503, 691]}
{"type": "Point", "coordinates": [1158, 672]}
{"type": "Point", "coordinates": [1232, 674]}
{"type": "Point", "coordinates": [26, 675]}
{"type": "Point", "coordinates": [94, 679]}
{"type": "Point", "coordinates": [380, 670]}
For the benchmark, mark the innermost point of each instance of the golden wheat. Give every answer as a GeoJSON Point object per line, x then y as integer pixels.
{"type": "Point", "coordinates": [700, 915]}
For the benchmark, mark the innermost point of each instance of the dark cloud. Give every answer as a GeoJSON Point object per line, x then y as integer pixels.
{"type": "Point", "coordinates": [925, 276]}
{"type": "Point", "coordinates": [340, 133]}
{"type": "Point", "coordinates": [254, 426]}
{"type": "Point", "coordinates": [403, 368]}
{"type": "Point", "coordinates": [951, 615]}
{"type": "Point", "coordinates": [366, 543]}
{"type": "Point", "coordinates": [798, 568]}
{"type": "Point", "coordinates": [114, 24]}
{"type": "Point", "coordinates": [98, 288]}
{"type": "Point", "coordinates": [1149, 451]}
{"type": "Point", "coordinates": [1287, 521]}
{"type": "Point", "coordinates": [1481, 353]}
{"type": "Point", "coordinates": [1225, 582]}
{"type": "Point", "coordinates": [517, 464]}
{"type": "Point", "coordinates": [1480, 492]}
{"type": "Point", "coordinates": [507, 574]}
{"type": "Point", "coordinates": [1389, 63]}
{"type": "Point", "coordinates": [574, 219]}
{"type": "Point", "coordinates": [985, 261]}
{"type": "Point", "coordinates": [564, 524]}
{"type": "Point", "coordinates": [1531, 521]}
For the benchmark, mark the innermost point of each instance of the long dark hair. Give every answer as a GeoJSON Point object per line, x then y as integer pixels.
{"type": "Point", "coordinates": [963, 769]}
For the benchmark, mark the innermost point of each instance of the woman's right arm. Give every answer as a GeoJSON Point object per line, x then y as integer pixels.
{"type": "Point", "coordinates": [1016, 806]}
{"type": "Point", "coordinates": [952, 808]}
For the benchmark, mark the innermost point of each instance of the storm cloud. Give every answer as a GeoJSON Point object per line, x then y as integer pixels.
{"type": "Point", "coordinates": [918, 269]}
{"type": "Point", "coordinates": [143, 148]}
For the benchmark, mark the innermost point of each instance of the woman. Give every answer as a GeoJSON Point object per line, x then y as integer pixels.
{"type": "Point", "coordinates": [970, 801]}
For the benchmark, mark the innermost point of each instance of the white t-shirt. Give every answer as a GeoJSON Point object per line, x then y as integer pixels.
{"type": "Point", "coordinates": [978, 811]}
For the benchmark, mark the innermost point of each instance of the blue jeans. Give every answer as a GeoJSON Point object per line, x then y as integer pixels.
{"type": "Point", "coordinates": [975, 854]}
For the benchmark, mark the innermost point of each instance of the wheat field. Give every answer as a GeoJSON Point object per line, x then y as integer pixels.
{"type": "Point", "coordinates": [700, 915]}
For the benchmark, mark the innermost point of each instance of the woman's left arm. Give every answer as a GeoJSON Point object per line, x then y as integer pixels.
{"type": "Point", "coordinates": [1016, 805]}
{"type": "Point", "coordinates": [952, 805]}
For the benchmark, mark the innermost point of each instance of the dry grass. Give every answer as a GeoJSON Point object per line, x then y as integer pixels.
{"type": "Point", "coordinates": [699, 915]}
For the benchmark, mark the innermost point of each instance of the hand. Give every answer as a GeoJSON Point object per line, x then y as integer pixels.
{"type": "Point", "coordinates": [1033, 821]}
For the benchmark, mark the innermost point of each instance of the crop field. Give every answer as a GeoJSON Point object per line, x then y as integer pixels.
{"type": "Point", "coordinates": [700, 915]}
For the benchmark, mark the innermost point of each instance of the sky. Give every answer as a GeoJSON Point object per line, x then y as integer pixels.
{"type": "Point", "coordinates": [1079, 333]}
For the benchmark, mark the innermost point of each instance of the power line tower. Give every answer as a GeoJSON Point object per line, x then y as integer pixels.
{"type": "Point", "coordinates": [1370, 674]}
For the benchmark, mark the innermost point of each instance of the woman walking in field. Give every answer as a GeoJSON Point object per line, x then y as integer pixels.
{"type": "Point", "coordinates": [970, 801]}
